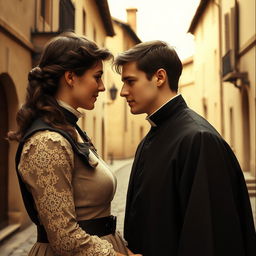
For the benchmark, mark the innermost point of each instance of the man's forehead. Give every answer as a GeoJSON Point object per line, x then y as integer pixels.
{"type": "Point", "coordinates": [130, 66]}
{"type": "Point", "coordinates": [129, 69]}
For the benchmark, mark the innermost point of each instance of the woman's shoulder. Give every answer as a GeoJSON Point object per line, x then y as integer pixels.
{"type": "Point", "coordinates": [47, 138]}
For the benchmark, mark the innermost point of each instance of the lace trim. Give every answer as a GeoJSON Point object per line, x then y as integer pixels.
{"type": "Point", "coordinates": [46, 147]}
{"type": "Point", "coordinates": [46, 165]}
{"type": "Point", "coordinates": [46, 135]}
{"type": "Point", "coordinates": [99, 247]}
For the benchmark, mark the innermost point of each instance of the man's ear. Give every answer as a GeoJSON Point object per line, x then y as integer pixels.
{"type": "Point", "coordinates": [69, 78]}
{"type": "Point", "coordinates": [161, 77]}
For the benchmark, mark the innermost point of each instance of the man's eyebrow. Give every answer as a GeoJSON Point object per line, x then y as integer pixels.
{"type": "Point", "coordinates": [99, 72]}
{"type": "Point", "coordinates": [125, 78]}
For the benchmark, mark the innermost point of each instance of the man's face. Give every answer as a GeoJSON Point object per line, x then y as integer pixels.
{"type": "Point", "coordinates": [140, 93]}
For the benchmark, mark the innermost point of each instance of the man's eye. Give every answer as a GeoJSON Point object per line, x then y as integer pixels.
{"type": "Point", "coordinates": [97, 78]}
{"type": "Point", "coordinates": [130, 82]}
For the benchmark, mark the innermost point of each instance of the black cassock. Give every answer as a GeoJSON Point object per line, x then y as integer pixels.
{"type": "Point", "coordinates": [187, 195]}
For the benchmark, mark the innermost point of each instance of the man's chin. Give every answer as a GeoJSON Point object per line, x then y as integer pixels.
{"type": "Point", "coordinates": [135, 111]}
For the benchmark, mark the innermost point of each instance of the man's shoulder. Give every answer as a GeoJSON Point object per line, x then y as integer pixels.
{"type": "Point", "coordinates": [193, 123]}
{"type": "Point", "coordinates": [189, 127]}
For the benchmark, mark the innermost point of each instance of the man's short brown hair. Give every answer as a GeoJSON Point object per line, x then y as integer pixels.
{"type": "Point", "coordinates": [151, 56]}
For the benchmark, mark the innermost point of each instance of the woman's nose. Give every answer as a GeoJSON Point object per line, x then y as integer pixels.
{"type": "Point", "coordinates": [101, 88]}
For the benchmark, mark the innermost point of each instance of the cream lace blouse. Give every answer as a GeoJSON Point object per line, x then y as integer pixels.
{"type": "Point", "coordinates": [66, 190]}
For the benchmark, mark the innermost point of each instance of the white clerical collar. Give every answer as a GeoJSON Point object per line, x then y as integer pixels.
{"type": "Point", "coordinates": [148, 117]}
{"type": "Point", "coordinates": [69, 108]}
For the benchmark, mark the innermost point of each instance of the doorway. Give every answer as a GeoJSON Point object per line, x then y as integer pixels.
{"type": "Point", "coordinates": [4, 149]}
{"type": "Point", "coordinates": [246, 131]}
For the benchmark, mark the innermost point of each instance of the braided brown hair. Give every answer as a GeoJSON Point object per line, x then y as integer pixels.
{"type": "Point", "coordinates": [66, 52]}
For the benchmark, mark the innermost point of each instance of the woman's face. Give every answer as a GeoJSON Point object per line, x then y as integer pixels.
{"type": "Point", "coordinates": [85, 89]}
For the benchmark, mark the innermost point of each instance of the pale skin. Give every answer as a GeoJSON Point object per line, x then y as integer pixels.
{"type": "Point", "coordinates": [82, 91]}
{"type": "Point", "coordinates": [144, 95]}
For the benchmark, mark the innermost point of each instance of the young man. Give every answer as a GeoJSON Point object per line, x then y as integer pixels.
{"type": "Point", "coordinates": [187, 194]}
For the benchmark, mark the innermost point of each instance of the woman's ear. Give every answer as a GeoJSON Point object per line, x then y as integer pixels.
{"type": "Point", "coordinates": [161, 77]}
{"type": "Point", "coordinates": [69, 78]}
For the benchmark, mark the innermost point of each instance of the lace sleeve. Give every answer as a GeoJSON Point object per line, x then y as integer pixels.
{"type": "Point", "coordinates": [46, 167]}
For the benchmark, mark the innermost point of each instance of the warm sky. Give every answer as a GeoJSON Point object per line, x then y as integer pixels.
{"type": "Point", "coordinates": [166, 20]}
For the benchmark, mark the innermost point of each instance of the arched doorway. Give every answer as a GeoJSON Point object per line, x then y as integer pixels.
{"type": "Point", "coordinates": [246, 131]}
{"type": "Point", "coordinates": [10, 199]}
{"type": "Point", "coordinates": [4, 149]}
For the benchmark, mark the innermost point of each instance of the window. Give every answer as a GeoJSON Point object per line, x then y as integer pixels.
{"type": "Point", "coordinates": [42, 9]}
{"type": "Point", "coordinates": [234, 28]}
{"type": "Point", "coordinates": [205, 108]}
{"type": "Point", "coordinates": [231, 40]}
{"type": "Point", "coordinates": [66, 16]}
{"type": "Point", "coordinates": [94, 34]}
{"type": "Point", "coordinates": [231, 127]}
{"type": "Point", "coordinates": [84, 22]}
{"type": "Point", "coordinates": [45, 10]}
{"type": "Point", "coordinates": [227, 33]}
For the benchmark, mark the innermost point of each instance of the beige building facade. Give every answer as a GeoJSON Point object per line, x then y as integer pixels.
{"type": "Point", "coordinates": [219, 81]}
{"type": "Point", "coordinates": [16, 49]}
{"type": "Point", "coordinates": [25, 27]}
{"type": "Point", "coordinates": [94, 21]}
{"type": "Point", "coordinates": [124, 130]}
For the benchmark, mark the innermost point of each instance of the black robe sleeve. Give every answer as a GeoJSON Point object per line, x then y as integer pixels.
{"type": "Point", "coordinates": [214, 202]}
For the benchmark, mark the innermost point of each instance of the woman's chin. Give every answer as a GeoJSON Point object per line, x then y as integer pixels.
{"type": "Point", "coordinates": [89, 107]}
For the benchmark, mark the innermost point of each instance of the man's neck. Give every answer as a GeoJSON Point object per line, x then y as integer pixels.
{"type": "Point", "coordinates": [162, 101]}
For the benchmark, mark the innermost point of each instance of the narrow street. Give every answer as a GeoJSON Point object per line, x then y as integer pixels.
{"type": "Point", "coordinates": [118, 204]}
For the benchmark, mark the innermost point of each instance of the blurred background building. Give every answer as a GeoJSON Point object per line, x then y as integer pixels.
{"type": "Point", "coordinates": [124, 130]}
{"type": "Point", "coordinates": [25, 27]}
{"type": "Point", "coordinates": [218, 81]}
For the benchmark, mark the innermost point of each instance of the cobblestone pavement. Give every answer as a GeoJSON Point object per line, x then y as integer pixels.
{"type": "Point", "coordinates": [25, 247]}
{"type": "Point", "coordinates": [19, 244]}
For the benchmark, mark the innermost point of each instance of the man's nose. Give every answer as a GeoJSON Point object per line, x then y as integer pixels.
{"type": "Point", "coordinates": [124, 92]}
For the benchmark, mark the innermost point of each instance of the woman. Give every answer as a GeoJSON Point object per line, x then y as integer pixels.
{"type": "Point", "coordinates": [66, 187]}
